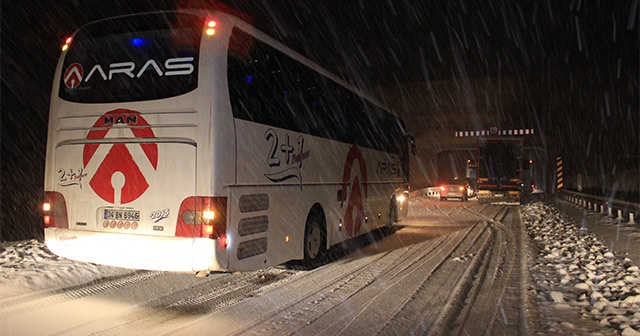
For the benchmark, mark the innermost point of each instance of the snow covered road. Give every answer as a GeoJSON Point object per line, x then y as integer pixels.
{"type": "Point", "coordinates": [451, 268]}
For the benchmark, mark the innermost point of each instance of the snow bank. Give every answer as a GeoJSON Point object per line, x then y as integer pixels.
{"type": "Point", "coordinates": [28, 266]}
{"type": "Point", "coordinates": [575, 270]}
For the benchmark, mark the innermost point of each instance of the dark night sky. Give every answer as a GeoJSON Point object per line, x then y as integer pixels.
{"type": "Point", "coordinates": [588, 49]}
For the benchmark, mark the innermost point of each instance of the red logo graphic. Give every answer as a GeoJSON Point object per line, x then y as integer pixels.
{"type": "Point", "coordinates": [354, 215]}
{"type": "Point", "coordinates": [119, 159]}
{"type": "Point", "coordinates": [73, 75]}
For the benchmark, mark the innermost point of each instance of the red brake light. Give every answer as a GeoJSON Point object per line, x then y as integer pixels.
{"type": "Point", "coordinates": [55, 210]}
{"type": "Point", "coordinates": [442, 188]}
{"type": "Point", "coordinates": [202, 217]}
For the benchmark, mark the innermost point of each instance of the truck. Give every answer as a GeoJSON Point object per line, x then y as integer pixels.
{"type": "Point", "coordinates": [501, 172]}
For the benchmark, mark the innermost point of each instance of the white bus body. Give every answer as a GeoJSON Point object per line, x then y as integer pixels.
{"type": "Point", "coordinates": [166, 151]}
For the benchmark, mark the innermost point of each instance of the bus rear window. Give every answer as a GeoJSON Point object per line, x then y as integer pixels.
{"type": "Point", "coordinates": [132, 58]}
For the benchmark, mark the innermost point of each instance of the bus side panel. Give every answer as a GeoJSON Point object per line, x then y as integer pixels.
{"type": "Point", "coordinates": [262, 232]}
{"type": "Point", "coordinates": [282, 174]}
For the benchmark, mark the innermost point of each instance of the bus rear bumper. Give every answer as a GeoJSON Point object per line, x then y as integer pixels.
{"type": "Point", "coordinates": [492, 196]}
{"type": "Point", "coordinates": [173, 254]}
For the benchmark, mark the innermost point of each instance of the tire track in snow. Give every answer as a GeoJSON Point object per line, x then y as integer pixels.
{"type": "Point", "coordinates": [434, 308]}
{"type": "Point", "coordinates": [21, 304]}
{"type": "Point", "coordinates": [207, 296]}
{"type": "Point", "coordinates": [503, 310]}
{"type": "Point", "coordinates": [345, 313]}
{"type": "Point", "coordinates": [295, 316]}
{"type": "Point", "coordinates": [308, 297]}
{"type": "Point", "coordinates": [398, 288]}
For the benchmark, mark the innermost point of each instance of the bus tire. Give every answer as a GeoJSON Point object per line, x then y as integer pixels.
{"type": "Point", "coordinates": [315, 239]}
{"type": "Point", "coordinates": [392, 219]}
{"type": "Point", "coordinates": [314, 242]}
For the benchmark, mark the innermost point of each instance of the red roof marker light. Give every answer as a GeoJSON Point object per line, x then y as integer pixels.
{"type": "Point", "coordinates": [67, 42]}
{"type": "Point", "coordinates": [210, 30]}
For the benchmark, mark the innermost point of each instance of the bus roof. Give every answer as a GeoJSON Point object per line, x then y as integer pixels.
{"type": "Point", "coordinates": [258, 34]}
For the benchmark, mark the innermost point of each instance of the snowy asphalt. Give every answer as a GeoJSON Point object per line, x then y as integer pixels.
{"type": "Point", "coordinates": [584, 278]}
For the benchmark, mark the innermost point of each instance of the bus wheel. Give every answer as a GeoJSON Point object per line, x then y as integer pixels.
{"type": "Point", "coordinates": [393, 218]}
{"type": "Point", "coordinates": [314, 239]}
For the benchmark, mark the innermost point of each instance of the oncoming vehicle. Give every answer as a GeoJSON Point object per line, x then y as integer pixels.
{"type": "Point", "coordinates": [189, 141]}
{"type": "Point", "coordinates": [455, 188]}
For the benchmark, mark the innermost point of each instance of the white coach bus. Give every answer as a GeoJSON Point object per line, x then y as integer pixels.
{"type": "Point", "coordinates": [191, 142]}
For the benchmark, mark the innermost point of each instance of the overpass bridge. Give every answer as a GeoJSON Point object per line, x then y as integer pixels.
{"type": "Point", "coordinates": [435, 111]}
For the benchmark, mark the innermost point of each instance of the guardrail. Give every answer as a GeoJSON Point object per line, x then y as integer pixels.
{"type": "Point", "coordinates": [619, 210]}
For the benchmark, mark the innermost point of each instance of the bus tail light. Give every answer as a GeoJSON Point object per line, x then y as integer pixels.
{"type": "Point", "coordinates": [67, 42]}
{"type": "Point", "coordinates": [55, 210]}
{"type": "Point", "coordinates": [202, 217]}
{"type": "Point", "coordinates": [210, 29]}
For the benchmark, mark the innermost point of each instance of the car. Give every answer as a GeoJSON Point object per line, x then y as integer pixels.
{"type": "Point", "coordinates": [455, 188]}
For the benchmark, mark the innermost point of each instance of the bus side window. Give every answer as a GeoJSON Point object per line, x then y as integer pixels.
{"type": "Point", "coordinates": [270, 87]}
{"type": "Point", "coordinates": [251, 76]}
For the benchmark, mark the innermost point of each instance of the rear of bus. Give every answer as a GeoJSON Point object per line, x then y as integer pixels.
{"type": "Point", "coordinates": [129, 178]}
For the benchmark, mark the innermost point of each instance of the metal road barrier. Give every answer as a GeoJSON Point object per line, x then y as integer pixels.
{"type": "Point", "coordinates": [619, 210]}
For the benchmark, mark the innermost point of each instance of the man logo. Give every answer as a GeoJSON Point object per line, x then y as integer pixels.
{"type": "Point", "coordinates": [117, 159]}
{"type": "Point", "coordinates": [73, 75]}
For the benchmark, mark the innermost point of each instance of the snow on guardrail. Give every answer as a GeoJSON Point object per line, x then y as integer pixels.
{"type": "Point", "coordinates": [619, 210]}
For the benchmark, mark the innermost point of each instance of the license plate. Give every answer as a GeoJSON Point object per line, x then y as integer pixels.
{"type": "Point", "coordinates": [131, 215]}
